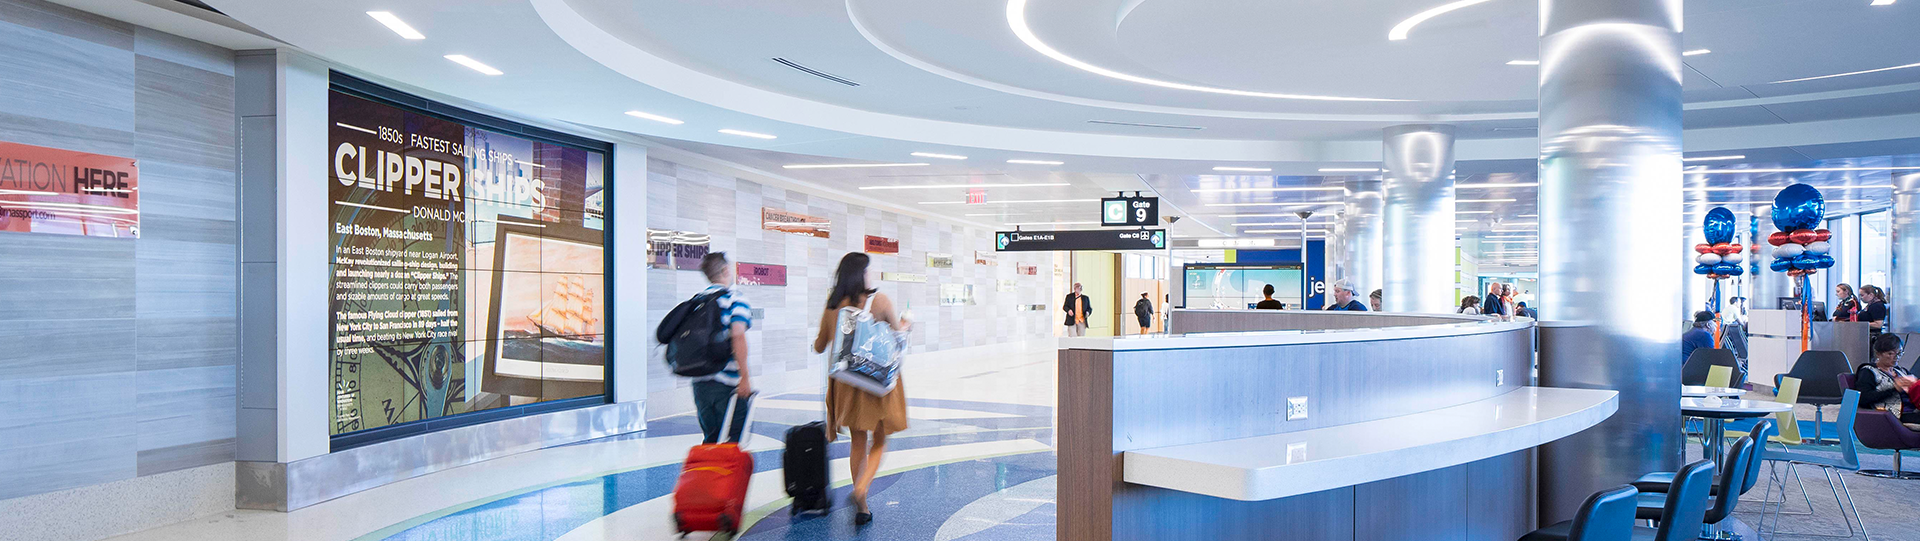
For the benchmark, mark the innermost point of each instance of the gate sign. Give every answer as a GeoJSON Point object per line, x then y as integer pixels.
{"type": "Point", "coordinates": [1129, 211]}
{"type": "Point", "coordinates": [1097, 239]}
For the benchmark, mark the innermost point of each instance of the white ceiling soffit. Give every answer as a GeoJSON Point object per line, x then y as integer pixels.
{"type": "Point", "coordinates": [576, 61]}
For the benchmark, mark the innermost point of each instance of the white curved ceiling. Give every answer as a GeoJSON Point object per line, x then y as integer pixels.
{"type": "Point", "coordinates": [952, 77]}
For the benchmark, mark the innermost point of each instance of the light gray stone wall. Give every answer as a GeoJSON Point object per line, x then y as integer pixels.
{"type": "Point", "coordinates": [686, 198]}
{"type": "Point", "coordinates": [117, 355]}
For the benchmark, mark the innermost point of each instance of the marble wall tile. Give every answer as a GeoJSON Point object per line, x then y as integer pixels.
{"type": "Point", "coordinates": [121, 352]}
{"type": "Point", "coordinates": [65, 79]}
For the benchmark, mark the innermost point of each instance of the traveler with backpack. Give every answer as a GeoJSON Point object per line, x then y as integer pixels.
{"type": "Point", "coordinates": [706, 339]}
{"type": "Point", "coordinates": [867, 415]}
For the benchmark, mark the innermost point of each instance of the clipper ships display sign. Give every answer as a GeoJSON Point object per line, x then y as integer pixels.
{"type": "Point", "coordinates": [1098, 239]}
{"type": "Point", "coordinates": [61, 192]}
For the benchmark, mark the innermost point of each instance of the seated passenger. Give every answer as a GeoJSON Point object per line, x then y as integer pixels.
{"type": "Point", "coordinates": [1698, 337]}
{"type": "Point", "coordinates": [1884, 386]}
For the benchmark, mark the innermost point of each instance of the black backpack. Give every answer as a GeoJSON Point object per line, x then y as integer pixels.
{"type": "Point", "coordinates": [697, 340]}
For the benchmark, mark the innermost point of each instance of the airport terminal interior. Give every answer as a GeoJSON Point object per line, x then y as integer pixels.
{"type": "Point", "coordinates": [934, 270]}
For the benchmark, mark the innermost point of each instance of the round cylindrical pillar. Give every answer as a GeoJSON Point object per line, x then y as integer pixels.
{"type": "Point", "coordinates": [1610, 107]}
{"type": "Point", "coordinates": [1417, 274]}
{"type": "Point", "coordinates": [1903, 294]}
{"type": "Point", "coordinates": [1361, 225]}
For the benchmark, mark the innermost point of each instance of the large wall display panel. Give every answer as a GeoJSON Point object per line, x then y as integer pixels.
{"type": "Point", "coordinates": [1234, 286]}
{"type": "Point", "coordinates": [468, 268]}
{"type": "Point", "coordinates": [62, 192]}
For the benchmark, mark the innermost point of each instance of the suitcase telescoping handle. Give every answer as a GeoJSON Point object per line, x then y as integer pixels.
{"type": "Point", "coordinates": [726, 425]}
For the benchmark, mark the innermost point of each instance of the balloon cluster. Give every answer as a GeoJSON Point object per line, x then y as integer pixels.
{"type": "Point", "coordinates": [1719, 258]}
{"type": "Point", "coordinates": [1798, 248]}
{"type": "Point", "coordinates": [1801, 251]}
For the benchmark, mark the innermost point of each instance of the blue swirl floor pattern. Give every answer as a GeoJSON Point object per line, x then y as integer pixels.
{"type": "Point", "coordinates": [910, 505]}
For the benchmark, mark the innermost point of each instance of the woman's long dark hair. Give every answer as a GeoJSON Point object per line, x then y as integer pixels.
{"type": "Point", "coordinates": [850, 280]}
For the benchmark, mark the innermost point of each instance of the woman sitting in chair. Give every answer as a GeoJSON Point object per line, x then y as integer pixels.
{"type": "Point", "coordinates": [1884, 386]}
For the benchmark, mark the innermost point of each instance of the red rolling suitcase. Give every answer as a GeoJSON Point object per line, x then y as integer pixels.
{"type": "Point", "coordinates": [712, 490]}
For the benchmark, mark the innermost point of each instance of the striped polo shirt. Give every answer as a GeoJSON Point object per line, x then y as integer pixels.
{"type": "Point", "coordinates": [733, 309]}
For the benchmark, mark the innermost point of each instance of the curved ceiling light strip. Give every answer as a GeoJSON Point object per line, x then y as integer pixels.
{"type": "Point", "coordinates": [1017, 20]}
{"type": "Point", "coordinates": [1399, 31]}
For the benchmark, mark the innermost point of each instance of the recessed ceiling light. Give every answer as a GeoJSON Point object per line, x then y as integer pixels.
{"type": "Point", "coordinates": [1036, 162]}
{"type": "Point", "coordinates": [1271, 189]}
{"type": "Point", "coordinates": [1466, 221]}
{"type": "Point", "coordinates": [1796, 170]}
{"type": "Point", "coordinates": [746, 134]}
{"type": "Point", "coordinates": [1484, 200]}
{"type": "Point", "coordinates": [1523, 62]}
{"type": "Point", "coordinates": [1714, 158]}
{"type": "Point", "coordinates": [1009, 202]}
{"type": "Point", "coordinates": [1861, 72]}
{"type": "Point", "coordinates": [1017, 21]}
{"type": "Point", "coordinates": [396, 25]}
{"type": "Point", "coordinates": [941, 186]}
{"type": "Point", "coordinates": [1051, 223]}
{"type": "Point", "coordinates": [1473, 212]}
{"type": "Point", "coordinates": [1498, 185]}
{"type": "Point", "coordinates": [1349, 169]}
{"type": "Point", "coordinates": [1882, 2]}
{"type": "Point", "coordinates": [1695, 52]}
{"type": "Point", "coordinates": [1286, 215]}
{"type": "Point", "coordinates": [1246, 169]}
{"type": "Point", "coordinates": [1399, 31]}
{"type": "Point", "coordinates": [471, 63]}
{"type": "Point", "coordinates": [850, 165]}
{"type": "Point", "coordinates": [654, 117]}
{"type": "Point", "coordinates": [940, 156]}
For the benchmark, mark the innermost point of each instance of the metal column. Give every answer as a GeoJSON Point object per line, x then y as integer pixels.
{"type": "Point", "coordinates": [1904, 292]}
{"type": "Point", "coordinates": [1360, 246]}
{"type": "Point", "coordinates": [1418, 219]}
{"type": "Point", "coordinates": [1610, 213]}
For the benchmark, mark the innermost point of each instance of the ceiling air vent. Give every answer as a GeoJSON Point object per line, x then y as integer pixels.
{"type": "Point", "coordinates": [1142, 125]}
{"type": "Point", "coordinates": [815, 72]}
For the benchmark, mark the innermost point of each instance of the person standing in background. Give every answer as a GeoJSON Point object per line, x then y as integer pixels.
{"type": "Point", "coordinates": [1845, 306]}
{"type": "Point", "coordinates": [1143, 309]}
{"type": "Point", "coordinates": [1077, 307]}
{"type": "Point", "coordinates": [1493, 305]}
{"type": "Point", "coordinates": [1269, 303]}
{"type": "Point", "coordinates": [1343, 298]}
{"type": "Point", "coordinates": [1373, 300]}
{"type": "Point", "coordinates": [1874, 308]}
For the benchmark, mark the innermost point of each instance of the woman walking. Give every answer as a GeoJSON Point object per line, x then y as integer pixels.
{"type": "Point", "coordinates": [867, 417]}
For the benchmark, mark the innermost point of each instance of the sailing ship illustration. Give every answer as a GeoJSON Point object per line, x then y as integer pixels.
{"type": "Point", "coordinates": [570, 310]}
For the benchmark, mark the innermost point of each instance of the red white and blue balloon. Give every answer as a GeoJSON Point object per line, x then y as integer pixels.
{"type": "Point", "coordinates": [1719, 258]}
{"type": "Point", "coordinates": [1799, 248]}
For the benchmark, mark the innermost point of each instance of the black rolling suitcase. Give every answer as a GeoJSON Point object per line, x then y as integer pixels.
{"type": "Point", "coordinates": [804, 464]}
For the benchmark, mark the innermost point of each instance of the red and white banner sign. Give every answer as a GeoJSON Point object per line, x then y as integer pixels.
{"type": "Point", "coordinates": [882, 245]}
{"type": "Point", "coordinates": [755, 274]}
{"type": "Point", "coordinates": [62, 192]}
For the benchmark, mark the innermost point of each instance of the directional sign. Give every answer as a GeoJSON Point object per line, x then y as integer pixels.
{"type": "Point", "coordinates": [1097, 239]}
{"type": "Point", "coordinates": [1129, 211]}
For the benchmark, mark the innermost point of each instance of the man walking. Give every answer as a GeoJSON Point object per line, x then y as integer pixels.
{"type": "Point", "coordinates": [711, 393]}
{"type": "Point", "coordinates": [1143, 309]}
{"type": "Point", "coordinates": [1077, 308]}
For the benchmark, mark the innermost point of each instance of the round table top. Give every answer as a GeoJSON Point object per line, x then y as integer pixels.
{"type": "Point", "coordinates": [1722, 408]}
{"type": "Point", "coordinates": [1698, 391]}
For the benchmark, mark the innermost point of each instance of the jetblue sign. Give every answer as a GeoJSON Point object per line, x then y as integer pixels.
{"type": "Point", "coordinates": [1098, 239]}
{"type": "Point", "coordinates": [1129, 211]}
